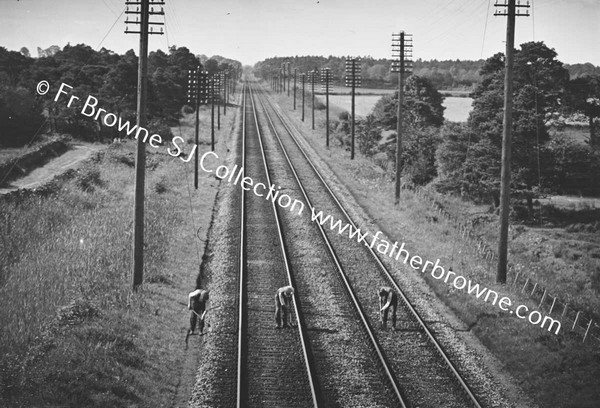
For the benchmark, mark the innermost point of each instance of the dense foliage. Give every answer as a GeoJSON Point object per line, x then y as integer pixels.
{"type": "Point", "coordinates": [375, 73]}
{"type": "Point", "coordinates": [468, 160]}
{"type": "Point", "coordinates": [465, 158]}
{"type": "Point", "coordinates": [109, 77]}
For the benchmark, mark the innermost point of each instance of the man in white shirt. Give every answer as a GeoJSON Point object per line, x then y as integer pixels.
{"type": "Point", "coordinates": [197, 304]}
{"type": "Point", "coordinates": [283, 304]}
{"type": "Point", "coordinates": [388, 299]}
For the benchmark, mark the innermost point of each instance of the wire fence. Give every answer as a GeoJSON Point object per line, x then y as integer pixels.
{"type": "Point", "coordinates": [573, 321]}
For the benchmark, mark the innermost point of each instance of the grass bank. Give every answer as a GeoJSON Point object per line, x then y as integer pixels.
{"type": "Point", "coordinates": [556, 371]}
{"type": "Point", "coordinates": [73, 334]}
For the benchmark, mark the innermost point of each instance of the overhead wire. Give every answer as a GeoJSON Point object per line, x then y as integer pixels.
{"type": "Point", "coordinates": [487, 17]}
{"type": "Point", "coordinates": [454, 27]}
{"type": "Point", "coordinates": [184, 167]}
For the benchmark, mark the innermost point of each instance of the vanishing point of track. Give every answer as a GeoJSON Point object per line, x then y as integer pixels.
{"type": "Point", "coordinates": [281, 367]}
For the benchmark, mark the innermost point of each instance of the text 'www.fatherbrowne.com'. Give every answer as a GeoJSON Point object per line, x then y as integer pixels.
{"type": "Point", "coordinates": [437, 272]}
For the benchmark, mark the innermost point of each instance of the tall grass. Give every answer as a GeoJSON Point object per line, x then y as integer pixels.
{"type": "Point", "coordinates": [74, 244]}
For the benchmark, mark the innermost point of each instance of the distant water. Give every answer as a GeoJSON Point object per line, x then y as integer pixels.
{"type": "Point", "coordinates": [457, 109]}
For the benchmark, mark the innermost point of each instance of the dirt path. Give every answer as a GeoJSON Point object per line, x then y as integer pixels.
{"type": "Point", "coordinates": [37, 177]}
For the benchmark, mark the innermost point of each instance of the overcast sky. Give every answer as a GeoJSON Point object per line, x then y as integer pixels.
{"type": "Point", "coordinates": [252, 30]}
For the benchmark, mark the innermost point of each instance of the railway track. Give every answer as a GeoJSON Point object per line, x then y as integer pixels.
{"type": "Point", "coordinates": [417, 369]}
{"type": "Point", "coordinates": [274, 367]}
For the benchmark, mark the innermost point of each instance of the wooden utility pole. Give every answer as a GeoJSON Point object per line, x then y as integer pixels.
{"type": "Point", "coordinates": [289, 75]}
{"type": "Point", "coordinates": [303, 75]}
{"type": "Point", "coordinates": [312, 77]}
{"type": "Point", "coordinates": [295, 75]}
{"type": "Point", "coordinates": [353, 80]}
{"type": "Point", "coordinates": [225, 98]}
{"type": "Point", "coordinates": [402, 63]}
{"type": "Point", "coordinates": [144, 12]}
{"type": "Point", "coordinates": [326, 87]}
{"type": "Point", "coordinates": [509, 11]}
{"type": "Point", "coordinates": [193, 97]}
{"type": "Point", "coordinates": [212, 113]}
{"type": "Point", "coordinates": [219, 77]}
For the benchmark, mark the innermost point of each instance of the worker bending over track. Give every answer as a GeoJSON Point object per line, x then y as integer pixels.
{"type": "Point", "coordinates": [197, 304]}
{"type": "Point", "coordinates": [283, 304]}
{"type": "Point", "coordinates": [388, 299]}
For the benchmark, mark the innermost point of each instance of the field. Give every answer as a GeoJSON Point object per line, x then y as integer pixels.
{"type": "Point", "coordinates": [73, 334]}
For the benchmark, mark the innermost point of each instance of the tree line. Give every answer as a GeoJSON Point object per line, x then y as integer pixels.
{"type": "Point", "coordinates": [110, 77]}
{"type": "Point", "coordinates": [375, 73]}
{"type": "Point", "coordinates": [464, 158]}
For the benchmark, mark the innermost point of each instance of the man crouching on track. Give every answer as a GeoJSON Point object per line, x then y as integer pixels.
{"type": "Point", "coordinates": [388, 299]}
{"type": "Point", "coordinates": [283, 304]}
{"type": "Point", "coordinates": [197, 304]}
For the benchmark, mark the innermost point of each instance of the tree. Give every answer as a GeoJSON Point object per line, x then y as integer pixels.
{"type": "Point", "coordinates": [368, 135]}
{"type": "Point", "coordinates": [20, 116]}
{"type": "Point", "coordinates": [422, 105]}
{"type": "Point", "coordinates": [539, 84]}
{"type": "Point", "coordinates": [584, 97]}
{"type": "Point", "coordinates": [450, 156]}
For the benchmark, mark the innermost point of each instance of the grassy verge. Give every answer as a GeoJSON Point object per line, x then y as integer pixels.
{"type": "Point", "coordinates": [73, 334]}
{"type": "Point", "coordinates": [557, 371]}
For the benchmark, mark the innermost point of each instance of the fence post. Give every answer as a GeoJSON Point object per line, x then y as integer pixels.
{"type": "Point", "coordinates": [543, 298]}
{"type": "Point", "coordinates": [575, 322]}
{"type": "Point", "coordinates": [552, 307]}
{"type": "Point", "coordinates": [524, 286]}
{"type": "Point", "coordinates": [516, 278]}
{"type": "Point", "coordinates": [562, 316]}
{"type": "Point", "coordinates": [534, 288]}
{"type": "Point", "coordinates": [587, 330]}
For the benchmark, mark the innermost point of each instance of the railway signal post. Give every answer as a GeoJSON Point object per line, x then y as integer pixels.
{"type": "Point", "coordinates": [353, 80]}
{"type": "Point", "coordinates": [402, 64]}
{"type": "Point", "coordinates": [509, 9]}
{"type": "Point", "coordinates": [144, 12]}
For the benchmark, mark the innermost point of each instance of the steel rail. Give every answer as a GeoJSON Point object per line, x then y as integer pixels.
{"type": "Point", "coordinates": [300, 324]}
{"type": "Point", "coordinates": [381, 266]}
{"type": "Point", "coordinates": [242, 268]}
{"type": "Point", "coordinates": [242, 391]}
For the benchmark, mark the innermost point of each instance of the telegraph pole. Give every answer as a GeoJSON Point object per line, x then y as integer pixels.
{"type": "Point", "coordinates": [402, 64]}
{"type": "Point", "coordinates": [353, 80]}
{"type": "Point", "coordinates": [303, 75]}
{"type": "Point", "coordinates": [289, 74]}
{"type": "Point", "coordinates": [193, 97]}
{"type": "Point", "coordinates": [312, 78]}
{"type": "Point", "coordinates": [225, 99]}
{"type": "Point", "coordinates": [212, 113]}
{"type": "Point", "coordinates": [295, 75]}
{"type": "Point", "coordinates": [509, 10]}
{"type": "Point", "coordinates": [219, 78]}
{"type": "Point", "coordinates": [326, 87]}
{"type": "Point", "coordinates": [143, 10]}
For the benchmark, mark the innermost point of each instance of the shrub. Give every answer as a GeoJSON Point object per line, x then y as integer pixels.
{"type": "Point", "coordinates": [89, 179]}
